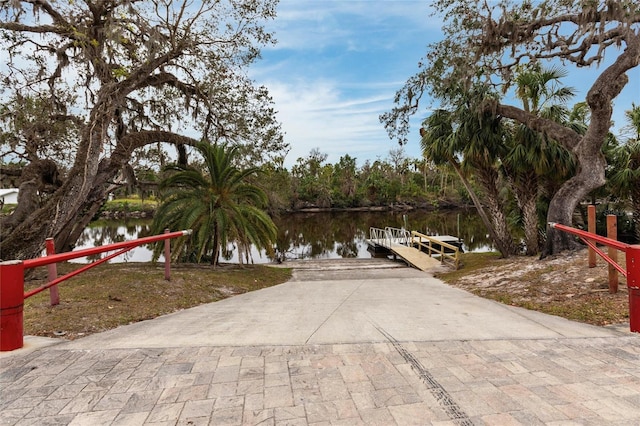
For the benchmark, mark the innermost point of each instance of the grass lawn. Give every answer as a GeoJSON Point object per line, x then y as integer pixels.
{"type": "Point", "coordinates": [116, 294]}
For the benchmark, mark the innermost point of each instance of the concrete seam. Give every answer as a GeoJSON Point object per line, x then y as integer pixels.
{"type": "Point", "coordinates": [332, 312]}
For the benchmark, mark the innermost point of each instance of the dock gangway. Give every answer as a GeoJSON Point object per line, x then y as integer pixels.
{"type": "Point", "coordinates": [402, 243]}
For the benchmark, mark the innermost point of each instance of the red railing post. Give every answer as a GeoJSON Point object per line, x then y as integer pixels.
{"type": "Point", "coordinates": [167, 258]}
{"type": "Point", "coordinates": [591, 227]}
{"type": "Point", "coordinates": [612, 233]}
{"type": "Point", "coordinates": [11, 304]}
{"type": "Point", "coordinates": [633, 284]}
{"type": "Point", "coordinates": [632, 272]}
{"type": "Point", "coordinates": [12, 293]}
{"type": "Point", "coordinates": [52, 274]}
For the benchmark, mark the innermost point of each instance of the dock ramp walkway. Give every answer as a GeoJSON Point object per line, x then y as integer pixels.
{"type": "Point", "coordinates": [397, 241]}
{"type": "Point", "coordinates": [418, 250]}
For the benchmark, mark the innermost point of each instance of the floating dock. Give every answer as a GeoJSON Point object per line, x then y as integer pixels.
{"type": "Point", "coordinates": [418, 250]}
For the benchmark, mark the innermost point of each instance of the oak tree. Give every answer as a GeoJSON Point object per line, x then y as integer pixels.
{"type": "Point", "coordinates": [85, 84]}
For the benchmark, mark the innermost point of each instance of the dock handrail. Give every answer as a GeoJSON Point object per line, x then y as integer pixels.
{"type": "Point", "coordinates": [389, 236]}
{"type": "Point", "coordinates": [377, 234]}
{"type": "Point", "coordinates": [440, 246]}
{"type": "Point", "coordinates": [397, 235]}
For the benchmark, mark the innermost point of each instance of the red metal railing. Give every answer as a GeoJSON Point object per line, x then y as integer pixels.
{"type": "Point", "coordinates": [632, 256]}
{"type": "Point", "coordinates": [12, 293]}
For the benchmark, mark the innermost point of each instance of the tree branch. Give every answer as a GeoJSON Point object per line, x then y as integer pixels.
{"type": "Point", "coordinates": [142, 138]}
{"type": "Point", "coordinates": [564, 135]}
{"type": "Point", "coordinates": [39, 29]}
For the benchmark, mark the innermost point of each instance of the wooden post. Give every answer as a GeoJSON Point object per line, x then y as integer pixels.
{"type": "Point", "coordinates": [167, 258]}
{"type": "Point", "coordinates": [612, 232]}
{"type": "Point", "coordinates": [52, 274]}
{"type": "Point", "coordinates": [591, 227]}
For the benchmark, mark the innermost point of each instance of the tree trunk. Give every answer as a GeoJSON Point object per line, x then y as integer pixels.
{"type": "Point", "coordinates": [36, 179]}
{"type": "Point", "coordinates": [525, 189]}
{"type": "Point", "coordinates": [62, 208]}
{"type": "Point", "coordinates": [66, 239]}
{"type": "Point", "coordinates": [216, 246]}
{"type": "Point", "coordinates": [590, 176]}
{"type": "Point", "coordinates": [530, 222]}
{"type": "Point", "coordinates": [504, 250]}
{"type": "Point", "coordinates": [503, 236]}
{"type": "Point", "coordinates": [489, 179]}
{"type": "Point", "coordinates": [70, 208]}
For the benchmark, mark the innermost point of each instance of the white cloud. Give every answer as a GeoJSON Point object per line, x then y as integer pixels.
{"type": "Point", "coordinates": [336, 68]}
{"type": "Point", "coordinates": [318, 114]}
{"type": "Point", "coordinates": [315, 25]}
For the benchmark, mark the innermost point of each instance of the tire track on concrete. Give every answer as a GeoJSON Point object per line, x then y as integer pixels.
{"type": "Point", "coordinates": [444, 399]}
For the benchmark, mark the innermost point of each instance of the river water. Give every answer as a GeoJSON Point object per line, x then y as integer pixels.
{"type": "Point", "coordinates": [323, 235]}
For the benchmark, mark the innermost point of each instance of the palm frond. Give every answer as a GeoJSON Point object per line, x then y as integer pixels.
{"type": "Point", "coordinates": [220, 206]}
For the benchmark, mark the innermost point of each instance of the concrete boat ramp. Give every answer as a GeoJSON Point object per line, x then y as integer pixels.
{"type": "Point", "coordinates": [354, 342]}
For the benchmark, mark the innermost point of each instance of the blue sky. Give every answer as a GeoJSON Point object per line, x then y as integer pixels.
{"type": "Point", "coordinates": [338, 64]}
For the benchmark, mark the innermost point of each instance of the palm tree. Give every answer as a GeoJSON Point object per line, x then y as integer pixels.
{"type": "Point", "coordinates": [633, 118]}
{"type": "Point", "coordinates": [220, 206]}
{"type": "Point", "coordinates": [625, 177]}
{"type": "Point", "coordinates": [483, 135]}
{"type": "Point", "coordinates": [532, 159]}
{"type": "Point", "coordinates": [448, 136]}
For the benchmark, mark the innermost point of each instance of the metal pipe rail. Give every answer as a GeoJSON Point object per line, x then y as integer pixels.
{"type": "Point", "coordinates": [416, 240]}
{"type": "Point", "coordinates": [389, 236]}
{"type": "Point", "coordinates": [590, 240]}
{"type": "Point", "coordinates": [397, 236]}
{"type": "Point", "coordinates": [12, 293]}
{"type": "Point", "coordinates": [377, 234]}
{"type": "Point", "coordinates": [632, 255]}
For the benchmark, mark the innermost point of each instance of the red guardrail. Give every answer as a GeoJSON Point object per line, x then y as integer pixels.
{"type": "Point", "coordinates": [632, 256]}
{"type": "Point", "coordinates": [12, 293]}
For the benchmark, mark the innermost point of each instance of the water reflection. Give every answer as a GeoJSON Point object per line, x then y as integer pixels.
{"type": "Point", "coordinates": [103, 232]}
{"type": "Point", "coordinates": [311, 235]}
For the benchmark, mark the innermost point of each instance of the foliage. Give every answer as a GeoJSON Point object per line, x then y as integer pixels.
{"type": "Point", "coordinates": [276, 182]}
{"type": "Point", "coordinates": [486, 43]}
{"type": "Point", "coordinates": [312, 179]}
{"type": "Point", "coordinates": [419, 182]}
{"type": "Point", "coordinates": [534, 164]}
{"type": "Point", "coordinates": [219, 206]}
{"type": "Point", "coordinates": [624, 175]}
{"type": "Point", "coordinates": [91, 87]}
{"type": "Point", "coordinates": [395, 180]}
{"type": "Point", "coordinates": [470, 143]}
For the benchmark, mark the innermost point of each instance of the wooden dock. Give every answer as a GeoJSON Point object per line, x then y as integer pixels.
{"type": "Point", "coordinates": [415, 257]}
{"type": "Point", "coordinates": [414, 248]}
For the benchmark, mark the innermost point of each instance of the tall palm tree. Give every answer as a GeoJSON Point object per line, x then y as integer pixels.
{"type": "Point", "coordinates": [219, 205]}
{"type": "Point", "coordinates": [531, 158]}
{"type": "Point", "coordinates": [625, 177]}
{"type": "Point", "coordinates": [483, 136]}
{"type": "Point", "coordinates": [463, 140]}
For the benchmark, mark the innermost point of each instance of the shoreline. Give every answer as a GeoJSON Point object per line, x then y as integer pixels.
{"type": "Point", "coordinates": [148, 213]}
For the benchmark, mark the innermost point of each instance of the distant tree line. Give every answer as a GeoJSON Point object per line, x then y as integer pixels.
{"type": "Point", "coordinates": [396, 181]}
